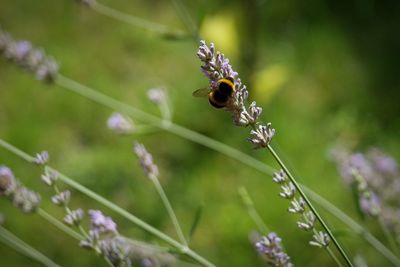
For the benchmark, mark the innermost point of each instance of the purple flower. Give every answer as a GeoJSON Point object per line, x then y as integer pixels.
{"type": "Point", "coordinates": [270, 247]}
{"type": "Point", "coordinates": [74, 217]}
{"type": "Point", "coordinates": [8, 182]}
{"type": "Point", "coordinates": [22, 50]}
{"type": "Point", "coordinates": [146, 160]}
{"type": "Point", "coordinates": [382, 162]}
{"type": "Point", "coordinates": [370, 203]}
{"type": "Point", "coordinates": [320, 239]}
{"type": "Point", "coordinates": [262, 136]}
{"type": "Point", "coordinates": [41, 158]}
{"type": "Point", "coordinates": [102, 223]}
{"type": "Point", "coordinates": [62, 198]}
{"type": "Point", "coordinates": [48, 70]}
{"type": "Point", "coordinates": [49, 177]}
{"type": "Point", "coordinates": [120, 123]}
{"type": "Point", "coordinates": [25, 199]}
{"type": "Point", "coordinates": [30, 58]}
{"type": "Point", "coordinates": [156, 95]}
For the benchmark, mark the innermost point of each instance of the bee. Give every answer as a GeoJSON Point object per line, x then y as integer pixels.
{"type": "Point", "coordinates": [219, 96]}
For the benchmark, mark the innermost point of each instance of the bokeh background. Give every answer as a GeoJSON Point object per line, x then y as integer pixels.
{"type": "Point", "coordinates": [325, 72]}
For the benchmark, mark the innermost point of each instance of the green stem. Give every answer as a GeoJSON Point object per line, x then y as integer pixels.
{"type": "Point", "coordinates": [333, 256]}
{"type": "Point", "coordinates": [168, 206]}
{"type": "Point", "coordinates": [388, 235]}
{"type": "Point", "coordinates": [13, 241]}
{"type": "Point", "coordinates": [135, 21]}
{"type": "Point", "coordinates": [186, 18]}
{"type": "Point", "coordinates": [132, 218]}
{"type": "Point", "coordinates": [165, 112]}
{"type": "Point", "coordinates": [59, 224]}
{"type": "Point", "coordinates": [221, 148]}
{"type": "Point", "coordinates": [310, 205]}
{"type": "Point", "coordinates": [248, 202]}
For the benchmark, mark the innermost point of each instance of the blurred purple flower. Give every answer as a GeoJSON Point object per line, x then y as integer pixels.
{"type": "Point", "coordinates": [101, 223]}
{"type": "Point", "coordinates": [74, 217]}
{"type": "Point", "coordinates": [120, 123]}
{"type": "Point", "coordinates": [146, 160]}
{"type": "Point", "coordinates": [8, 182]}
{"type": "Point", "coordinates": [41, 158]}
{"type": "Point", "coordinates": [270, 247]}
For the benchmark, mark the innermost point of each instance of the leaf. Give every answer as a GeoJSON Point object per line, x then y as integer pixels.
{"type": "Point", "coordinates": [196, 220]}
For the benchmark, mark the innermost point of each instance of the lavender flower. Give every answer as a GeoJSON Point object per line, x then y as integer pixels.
{"type": "Point", "coordinates": [103, 238]}
{"type": "Point", "coordinates": [215, 67]}
{"type": "Point", "coordinates": [376, 178]}
{"type": "Point", "coordinates": [383, 163]}
{"type": "Point", "coordinates": [270, 247]}
{"type": "Point", "coordinates": [279, 177]}
{"type": "Point", "coordinates": [116, 250]}
{"type": "Point", "coordinates": [308, 221]}
{"type": "Point", "coordinates": [18, 51]}
{"type": "Point", "coordinates": [297, 206]}
{"type": "Point", "coordinates": [146, 160]}
{"type": "Point", "coordinates": [49, 177]}
{"type": "Point", "coordinates": [31, 59]}
{"type": "Point", "coordinates": [121, 251]}
{"type": "Point", "coordinates": [101, 223]}
{"type": "Point", "coordinates": [262, 136]}
{"type": "Point", "coordinates": [119, 123]}
{"type": "Point", "coordinates": [156, 95]}
{"type": "Point", "coordinates": [8, 182]}
{"type": "Point", "coordinates": [25, 199]}
{"type": "Point", "coordinates": [62, 198]}
{"type": "Point", "coordinates": [370, 203]}
{"type": "Point", "coordinates": [35, 58]}
{"type": "Point", "coordinates": [288, 191]}
{"type": "Point", "coordinates": [47, 70]}
{"type": "Point", "coordinates": [74, 217]}
{"type": "Point", "coordinates": [321, 240]}
{"type": "Point", "coordinates": [41, 158]}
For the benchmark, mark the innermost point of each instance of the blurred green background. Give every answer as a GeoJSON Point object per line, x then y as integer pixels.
{"type": "Point", "coordinates": [324, 72]}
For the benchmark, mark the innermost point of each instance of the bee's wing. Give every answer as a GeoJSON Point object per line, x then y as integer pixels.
{"type": "Point", "coordinates": [202, 92]}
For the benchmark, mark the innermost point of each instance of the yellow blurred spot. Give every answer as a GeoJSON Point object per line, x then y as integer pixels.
{"type": "Point", "coordinates": [267, 81]}
{"type": "Point", "coordinates": [220, 29]}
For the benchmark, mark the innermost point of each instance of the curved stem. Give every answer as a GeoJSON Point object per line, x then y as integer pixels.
{"type": "Point", "coordinates": [186, 18]}
{"type": "Point", "coordinates": [388, 235]}
{"type": "Point", "coordinates": [19, 245]}
{"type": "Point", "coordinates": [248, 202]}
{"type": "Point", "coordinates": [59, 224]}
{"type": "Point", "coordinates": [310, 205]}
{"type": "Point", "coordinates": [333, 256]}
{"type": "Point", "coordinates": [168, 206]}
{"type": "Point", "coordinates": [135, 21]}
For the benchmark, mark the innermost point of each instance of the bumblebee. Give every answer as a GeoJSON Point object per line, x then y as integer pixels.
{"type": "Point", "coordinates": [219, 96]}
